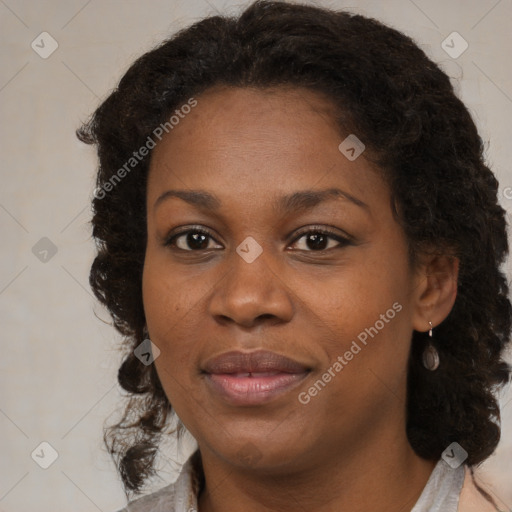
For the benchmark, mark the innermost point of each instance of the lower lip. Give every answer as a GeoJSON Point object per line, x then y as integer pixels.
{"type": "Point", "coordinates": [253, 390]}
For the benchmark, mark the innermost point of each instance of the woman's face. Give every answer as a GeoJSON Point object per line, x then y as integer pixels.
{"type": "Point", "coordinates": [278, 341]}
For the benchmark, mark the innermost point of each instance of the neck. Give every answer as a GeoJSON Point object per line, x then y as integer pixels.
{"type": "Point", "coordinates": [380, 476]}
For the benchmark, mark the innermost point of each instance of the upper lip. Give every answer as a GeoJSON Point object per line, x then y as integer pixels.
{"type": "Point", "coordinates": [253, 362]}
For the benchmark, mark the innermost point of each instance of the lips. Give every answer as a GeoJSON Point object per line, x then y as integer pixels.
{"type": "Point", "coordinates": [253, 362]}
{"type": "Point", "coordinates": [253, 378]}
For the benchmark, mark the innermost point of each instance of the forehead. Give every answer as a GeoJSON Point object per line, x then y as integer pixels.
{"type": "Point", "coordinates": [249, 140]}
{"type": "Point", "coordinates": [227, 116]}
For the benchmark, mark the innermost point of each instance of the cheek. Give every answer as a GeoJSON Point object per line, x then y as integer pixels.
{"type": "Point", "coordinates": [169, 303]}
{"type": "Point", "coordinates": [369, 308]}
{"type": "Point", "coordinates": [371, 326]}
{"type": "Point", "coordinates": [170, 296]}
{"type": "Point", "coordinates": [170, 320]}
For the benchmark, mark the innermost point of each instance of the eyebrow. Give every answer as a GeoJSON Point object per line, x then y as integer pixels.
{"type": "Point", "coordinates": [297, 201]}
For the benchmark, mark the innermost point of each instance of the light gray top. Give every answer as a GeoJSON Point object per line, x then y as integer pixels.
{"type": "Point", "coordinates": [441, 493]}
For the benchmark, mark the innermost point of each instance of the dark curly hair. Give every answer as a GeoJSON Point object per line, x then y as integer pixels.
{"type": "Point", "coordinates": [387, 91]}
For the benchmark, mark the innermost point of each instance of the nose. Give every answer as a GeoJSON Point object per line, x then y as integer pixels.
{"type": "Point", "coordinates": [251, 293]}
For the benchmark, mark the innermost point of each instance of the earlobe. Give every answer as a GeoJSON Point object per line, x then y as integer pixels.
{"type": "Point", "coordinates": [436, 291]}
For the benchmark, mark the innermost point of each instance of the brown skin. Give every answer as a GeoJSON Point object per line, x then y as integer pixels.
{"type": "Point", "coordinates": [347, 448]}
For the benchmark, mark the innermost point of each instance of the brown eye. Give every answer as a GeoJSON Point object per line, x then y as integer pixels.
{"type": "Point", "coordinates": [191, 240]}
{"type": "Point", "coordinates": [321, 240]}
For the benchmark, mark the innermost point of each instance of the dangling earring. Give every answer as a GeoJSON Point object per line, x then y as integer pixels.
{"type": "Point", "coordinates": [430, 355]}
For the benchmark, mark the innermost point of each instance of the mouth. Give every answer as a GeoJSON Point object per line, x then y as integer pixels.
{"type": "Point", "coordinates": [253, 378]}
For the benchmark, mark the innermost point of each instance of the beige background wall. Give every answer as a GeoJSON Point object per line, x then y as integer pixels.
{"type": "Point", "coordinates": [58, 362]}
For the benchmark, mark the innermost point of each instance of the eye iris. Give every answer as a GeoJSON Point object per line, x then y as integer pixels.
{"type": "Point", "coordinates": [319, 241]}
{"type": "Point", "coordinates": [197, 240]}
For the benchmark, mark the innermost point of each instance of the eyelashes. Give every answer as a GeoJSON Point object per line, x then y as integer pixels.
{"type": "Point", "coordinates": [203, 235]}
{"type": "Point", "coordinates": [322, 234]}
{"type": "Point", "coordinates": [198, 239]}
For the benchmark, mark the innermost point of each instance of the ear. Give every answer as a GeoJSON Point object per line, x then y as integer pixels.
{"type": "Point", "coordinates": [435, 291]}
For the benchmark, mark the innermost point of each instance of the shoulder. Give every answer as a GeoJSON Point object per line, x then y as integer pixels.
{"type": "Point", "coordinates": [180, 496]}
{"type": "Point", "coordinates": [163, 500]}
{"type": "Point", "coordinates": [471, 500]}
